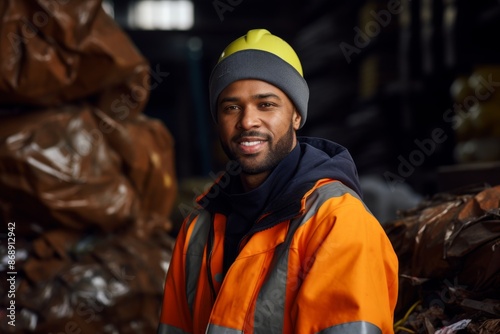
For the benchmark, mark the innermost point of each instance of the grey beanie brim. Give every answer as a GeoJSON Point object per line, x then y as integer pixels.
{"type": "Point", "coordinates": [260, 65]}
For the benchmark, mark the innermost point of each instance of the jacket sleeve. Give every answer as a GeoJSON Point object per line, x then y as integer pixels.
{"type": "Point", "coordinates": [348, 272]}
{"type": "Point", "coordinates": [175, 316]}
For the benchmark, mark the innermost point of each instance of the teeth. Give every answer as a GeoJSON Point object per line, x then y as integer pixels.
{"type": "Point", "coordinates": [250, 143]}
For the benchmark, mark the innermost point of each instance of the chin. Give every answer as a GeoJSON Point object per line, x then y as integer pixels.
{"type": "Point", "coordinates": [255, 169]}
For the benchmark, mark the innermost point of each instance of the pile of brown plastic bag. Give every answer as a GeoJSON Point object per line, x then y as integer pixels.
{"type": "Point", "coordinates": [86, 178]}
{"type": "Point", "coordinates": [449, 254]}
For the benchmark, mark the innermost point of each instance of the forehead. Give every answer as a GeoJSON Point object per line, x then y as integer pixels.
{"type": "Point", "coordinates": [251, 87]}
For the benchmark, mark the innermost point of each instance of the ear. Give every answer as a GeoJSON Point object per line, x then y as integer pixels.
{"type": "Point", "coordinates": [296, 118]}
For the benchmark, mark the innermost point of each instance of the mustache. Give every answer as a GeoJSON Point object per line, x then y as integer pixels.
{"type": "Point", "coordinates": [252, 133]}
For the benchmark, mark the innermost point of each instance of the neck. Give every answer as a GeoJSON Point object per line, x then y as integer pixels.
{"type": "Point", "coordinates": [252, 181]}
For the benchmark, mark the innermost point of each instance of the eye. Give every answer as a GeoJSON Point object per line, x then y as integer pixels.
{"type": "Point", "coordinates": [230, 108]}
{"type": "Point", "coordinates": [266, 105]}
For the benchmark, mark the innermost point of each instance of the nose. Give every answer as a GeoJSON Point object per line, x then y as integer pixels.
{"type": "Point", "coordinates": [249, 118]}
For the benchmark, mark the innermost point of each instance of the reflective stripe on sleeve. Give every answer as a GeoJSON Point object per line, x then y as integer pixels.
{"type": "Point", "coordinates": [214, 329]}
{"type": "Point", "coordinates": [355, 327]}
{"type": "Point", "coordinates": [167, 329]}
{"type": "Point", "coordinates": [194, 255]}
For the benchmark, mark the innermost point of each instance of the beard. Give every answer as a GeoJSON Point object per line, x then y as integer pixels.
{"type": "Point", "coordinates": [277, 152]}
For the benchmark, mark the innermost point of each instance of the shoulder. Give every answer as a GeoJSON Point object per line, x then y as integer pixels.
{"type": "Point", "coordinates": [332, 203]}
{"type": "Point", "coordinates": [330, 192]}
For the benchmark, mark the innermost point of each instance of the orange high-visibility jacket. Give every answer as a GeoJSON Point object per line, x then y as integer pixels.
{"type": "Point", "coordinates": [329, 269]}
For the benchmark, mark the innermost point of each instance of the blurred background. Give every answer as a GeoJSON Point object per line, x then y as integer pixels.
{"type": "Point", "coordinates": [393, 81]}
{"type": "Point", "coordinates": [106, 138]}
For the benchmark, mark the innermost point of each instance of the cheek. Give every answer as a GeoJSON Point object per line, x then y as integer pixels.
{"type": "Point", "coordinates": [281, 128]}
{"type": "Point", "coordinates": [224, 131]}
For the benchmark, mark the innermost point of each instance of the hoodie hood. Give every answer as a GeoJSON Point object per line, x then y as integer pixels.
{"type": "Point", "coordinates": [321, 159]}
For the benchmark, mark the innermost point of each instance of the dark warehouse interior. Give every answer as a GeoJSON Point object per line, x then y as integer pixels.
{"type": "Point", "coordinates": [106, 140]}
{"type": "Point", "coordinates": [394, 87]}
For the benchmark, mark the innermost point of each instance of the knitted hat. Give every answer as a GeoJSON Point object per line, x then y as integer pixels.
{"type": "Point", "coordinates": [262, 56]}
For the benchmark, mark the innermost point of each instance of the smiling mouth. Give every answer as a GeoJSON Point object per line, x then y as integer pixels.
{"type": "Point", "coordinates": [251, 146]}
{"type": "Point", "coordinates": [251, 143]}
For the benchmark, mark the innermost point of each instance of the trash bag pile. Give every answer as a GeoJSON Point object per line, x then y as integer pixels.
{"type": "Point", "coordinates": [87, 180]}
{"type": "Point", "coordinates": [449, 254]}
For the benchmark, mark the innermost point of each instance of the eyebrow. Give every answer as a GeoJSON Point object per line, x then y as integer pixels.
{"type": "Point", "coordinates": [254, 97]}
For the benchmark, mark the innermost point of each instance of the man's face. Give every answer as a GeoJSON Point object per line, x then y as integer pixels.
{"type": "Point", "coordinates": [256, 123]}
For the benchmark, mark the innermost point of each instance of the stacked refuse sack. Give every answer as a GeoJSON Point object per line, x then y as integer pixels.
{"type": "Point", "coordinates": [449, 254]}
{"type": "Point", "coordinates": [87, 180]}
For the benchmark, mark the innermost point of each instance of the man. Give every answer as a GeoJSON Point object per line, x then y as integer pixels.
{"type": "Point", "coordinates": [282, 243]}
